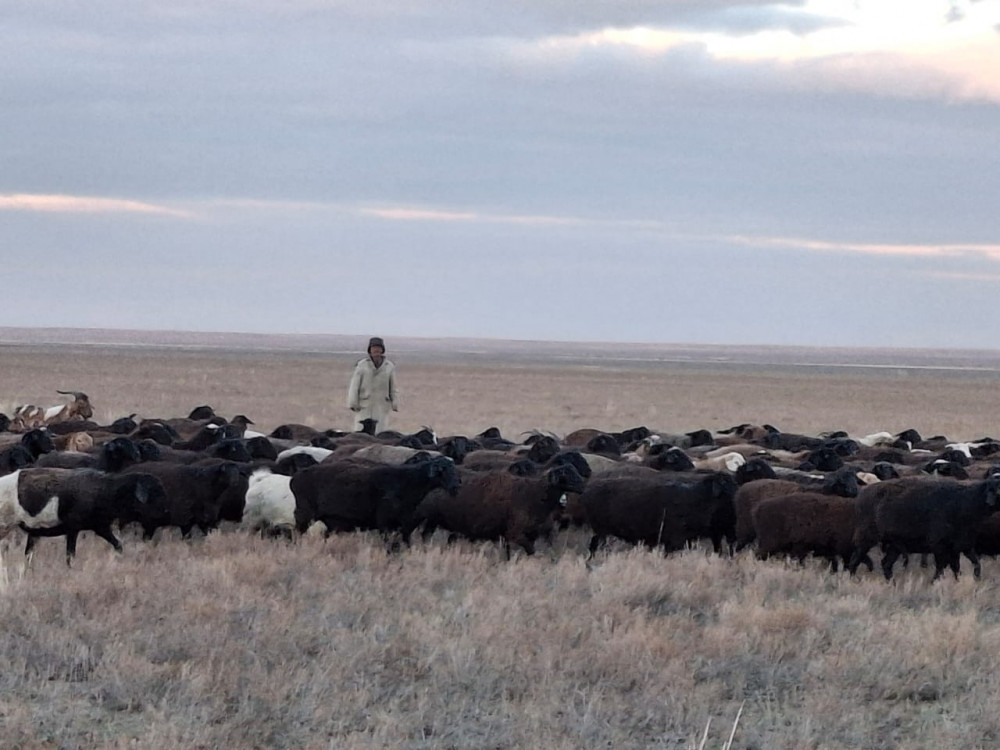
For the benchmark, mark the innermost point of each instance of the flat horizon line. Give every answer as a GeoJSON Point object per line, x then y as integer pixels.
{"type": "Point", "coordinates": [111, 335]}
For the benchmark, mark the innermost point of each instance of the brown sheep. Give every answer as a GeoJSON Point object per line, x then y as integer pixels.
{"type": "Point", "coordinates": [804, 523]}
{"type": "Point", "coordinates": [843, 483]}
{"type": "Point", "coordinates": [498, 505]}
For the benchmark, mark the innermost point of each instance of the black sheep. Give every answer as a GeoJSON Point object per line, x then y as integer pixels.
{"type": "Point", "coordinates": [353, 494]}
{"type": "Point", "coordinates": [195, 494]}
{"type": "Point", "coordinates": [938, 516]}
{"type": "Point", "coordinates": [64, 502]}
{"type": "Point", "coordinates": [658, 510]}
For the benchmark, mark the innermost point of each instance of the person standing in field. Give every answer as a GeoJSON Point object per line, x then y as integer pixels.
{"type": "Point", "coordinates": [372, 393]}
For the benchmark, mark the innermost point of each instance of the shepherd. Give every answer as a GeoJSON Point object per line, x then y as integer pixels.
{"type": "Point", "coordinates": [372, 393]}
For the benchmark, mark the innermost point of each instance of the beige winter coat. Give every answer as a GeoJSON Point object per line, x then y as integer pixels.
{"type": "Point", "coordinates": [372, 393]}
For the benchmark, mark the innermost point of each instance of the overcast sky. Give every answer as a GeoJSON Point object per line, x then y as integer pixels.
{"type": "Point", "coordinates": [698, 171]}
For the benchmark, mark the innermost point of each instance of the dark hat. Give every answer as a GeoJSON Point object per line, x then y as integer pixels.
{"type": "Point", "coordinates": [375, 341]}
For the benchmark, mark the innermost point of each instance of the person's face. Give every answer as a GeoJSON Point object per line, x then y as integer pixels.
{"type": "Point", "coordinates": [376, 353]}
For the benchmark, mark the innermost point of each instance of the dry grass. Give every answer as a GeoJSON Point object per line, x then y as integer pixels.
{"type": "Point", "coordinates": [232, 641]}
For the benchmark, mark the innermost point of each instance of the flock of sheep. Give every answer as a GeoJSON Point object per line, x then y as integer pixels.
{"type": "Point", "coordinates": [832, 496]}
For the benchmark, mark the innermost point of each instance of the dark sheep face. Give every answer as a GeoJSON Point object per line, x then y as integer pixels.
{"type": "Point", "coordinates": [156, 431]}
{"type": "Point", "coordinates": [884, 470]}
{"type": "Point", "coordinates": [755, 468]}
{"type": "Point", "coordinates": [992, 489]}
{"type": "Point", "coordinates": [700, 437]}
{"type": "Point", "coordinates": [574, 459]}
{"type": "Point", "coordinates": [843, 483]}
{"type": "Point", "coordinates": [946, 469]}
{"type": "Point", "coordinates": [323, 441]}
{"type": "Point", "coordinates": [443, 474]}
{"type": "Point", "coordinates": [425, 437]}
{"type": "Point", "coordinates": [543, 449]}
{"type": "Point", "coordinates": [825, 459]}
{"type": "Point", "coordinates": [14, 458]}
{"type": "Point", "coordinates": [910, 436]}
{"type": "Point", "coordinates": [4, 422]}
{"type": "Point", "coordinates": [123, 425]}
{"type": "Point", "coordinates": [231, 450]}
{"type": "Point", "coordinates": [202, 412]}
{"type": "Point", "coordinates": [282, 432]}
{"type": "Point", "coordinates": [38, 442]}
{"type": "Point", "coordinates": [456, 448]}
{"type": "Point", "coordinates": [955, 457]}
{"type": "Point", "coordinates": [149, 450]}
{"type": "Point", "coordinates": [261, 447]}
{"type": "Point", "coordinates": [294, 463]}
{"type": "Point", "coordinates": [368, 426]}
{"type": "Point", "coordinates": [673, 459]}
{"type": "Point", "coordinates": [523, 468]}
{"type": "Point", "coordinates": [116, 454]}
{"type": "Point", "coordinates": [604, 444]}
{"type": "Point", "coordinates": [633, 434]}
{"type": "Point", "coordinates": [566, 479]}
{"type": "Point", "coordinates": [411, 441]}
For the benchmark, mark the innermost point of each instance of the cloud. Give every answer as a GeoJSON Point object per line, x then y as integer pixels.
{"type": "Point", "coordinates": [985, 250]}
{"type": "Point", "coordinates": [83, 205]}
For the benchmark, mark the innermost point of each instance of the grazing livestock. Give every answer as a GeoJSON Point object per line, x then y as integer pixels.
{"type": "Point", "coordinates": [13, 458]}
{"type": "Point", "coordinates": [937, 516]}
{"type": "Point", "coordinates": [391, 455]}
{"type": "Point", "coordinates": [805, 523]}
{"type": "Point", "coordinates": [196, 495]}
{"type": "Point", "coordinates": [675, 459]}
{"type": "Point", "coordinates": [499, 505]}
{"type": "Point", "coordinates": [269, 507]}
{"type": "Point", "coordinates": [843, 483]}
{"type": "Point", "coordinates": [349, 495]}
{"type": "Point", "coordinates": [29, 417]}
{"type": "Point", "coordinates": [661, 510]}
{"type": "Point", "coordinates": [64, 502]}
{"type": "Point", "coordinates": [113, 456]}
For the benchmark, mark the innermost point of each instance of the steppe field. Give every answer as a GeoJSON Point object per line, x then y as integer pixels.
{"type": "Point", "coordinates": [229, 641]}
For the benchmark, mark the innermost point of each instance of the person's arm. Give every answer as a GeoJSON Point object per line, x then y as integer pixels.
{"type": "Point", "coordinates": [393, 393]}
{"type": "Point", "coordinates": [354, 391]}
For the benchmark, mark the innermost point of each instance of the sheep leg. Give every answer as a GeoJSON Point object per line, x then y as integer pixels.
{"type": "Point", "coordinates": [29, 550]}
{"type": "Point", "coordinates": [889, 557]}
{"type": "Point", "coordinates": [71, 547]}
{"type": "Point", "coordinates": [977, 568]}
{"type": "Point", "coordinates": [595, 541]}
{"type": "Point", "coordinates": [856, 558]}
{"type": "Point", "coordinates": [107, 535]}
